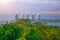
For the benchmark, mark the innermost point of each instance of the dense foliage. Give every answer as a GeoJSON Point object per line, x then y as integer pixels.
{"type": "Point", "coordinates": [9, 32]}
{"type": "Point", "coordinates": [25, 30]}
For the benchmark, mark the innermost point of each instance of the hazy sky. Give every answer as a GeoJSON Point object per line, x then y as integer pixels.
{"type": "Point", "coordinates": [18, 6]}
{"type": "Point", "coordinates": [10, 7]}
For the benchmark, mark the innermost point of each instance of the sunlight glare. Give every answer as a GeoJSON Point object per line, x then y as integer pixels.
{"type": "Point", "coordinates": [4, 1]}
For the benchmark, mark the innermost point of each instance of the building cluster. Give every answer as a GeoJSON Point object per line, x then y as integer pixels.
{"type": "Point", "coordinates": [31, 17]}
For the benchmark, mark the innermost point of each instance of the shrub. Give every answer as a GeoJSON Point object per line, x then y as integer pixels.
{"type": "Point", "coordinates": [33, 36]}
{"type": "Point", "coordinates": [10, 32]}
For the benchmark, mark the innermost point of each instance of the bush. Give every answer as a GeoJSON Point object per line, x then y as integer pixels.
{"type": "Point", "coordinates": [10, 32]}
{"type": "Point", "coordinates": [33, 36]}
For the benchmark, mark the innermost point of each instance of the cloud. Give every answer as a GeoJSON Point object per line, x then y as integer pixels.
{"type": "Point", "coordinates": [52, 2]}
{"type": "Point", "coordinates": [38, 1]}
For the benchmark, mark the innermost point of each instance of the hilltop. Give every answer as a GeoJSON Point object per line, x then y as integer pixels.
{"type": "Point", "coordinates": [23, 29]}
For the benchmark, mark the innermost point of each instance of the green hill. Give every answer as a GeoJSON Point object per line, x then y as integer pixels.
{"type": "Point", "coordinates": [23, 29]}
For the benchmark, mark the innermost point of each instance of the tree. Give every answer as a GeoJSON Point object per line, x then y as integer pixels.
{"type": "Point", "coordinates": [10, 32]}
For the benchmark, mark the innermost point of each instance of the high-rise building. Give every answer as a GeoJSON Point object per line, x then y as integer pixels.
{"type": "Point", "coordinates": [33, 17]}
{"type": "Point", "coordinates": [23, 16]}
{"type": "Point", "coordinates": [39, 17]}
{"type": "Point", "coordinates": [16, 17]}
{"type": "Point", "coordinates": [28, 17]}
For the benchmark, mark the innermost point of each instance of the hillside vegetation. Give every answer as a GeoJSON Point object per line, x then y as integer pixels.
{"type": "Point", "coordinates": [23, 29]}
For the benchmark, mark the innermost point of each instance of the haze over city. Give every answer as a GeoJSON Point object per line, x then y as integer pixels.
{"type": "Point", "coordinates": [8, 8]}
{"type": "Point", "coordinates": [29, 19]}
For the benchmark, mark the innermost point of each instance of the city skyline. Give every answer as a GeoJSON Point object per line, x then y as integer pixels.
{"type": "Point", "coordinates": [8, 8]}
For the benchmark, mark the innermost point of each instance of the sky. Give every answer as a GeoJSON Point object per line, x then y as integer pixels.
{"type": "Point", "coordinates": [11, 7]}
{"type": "Point", "coordinates": [18, 6]}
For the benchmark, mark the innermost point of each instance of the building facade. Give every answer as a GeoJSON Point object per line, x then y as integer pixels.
{"type": "Point", "coordinates": [16, 17]}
